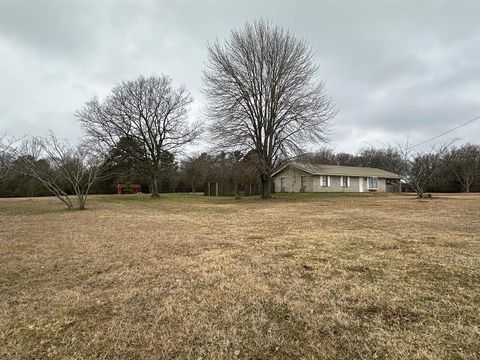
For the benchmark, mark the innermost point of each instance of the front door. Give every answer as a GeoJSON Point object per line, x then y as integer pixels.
{"type": "Point", "coordinates": [360, 184]}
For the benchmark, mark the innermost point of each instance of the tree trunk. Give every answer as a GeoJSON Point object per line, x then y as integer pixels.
{"type": "Point", "coordinates": [81, 206]}
{"type": "Point", "coordinates": [418, 189]}
{"type": "Point", "coordinates": [81, 202]}
{"type": "Point", "coordinates": [67, 202]}
{"type": "Point", "coordinates": [235, 188]}
{"type": "Point", "coordinates": [154, 186]}
{"type": "Point", "coordinates": [265, 192]}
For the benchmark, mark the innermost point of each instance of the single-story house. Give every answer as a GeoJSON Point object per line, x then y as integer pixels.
{"type": "Point", "coordinates": [300, 177]}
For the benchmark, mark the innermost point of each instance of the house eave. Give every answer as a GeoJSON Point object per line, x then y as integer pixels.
{"type": "Point", "coordinates": [333, 173]}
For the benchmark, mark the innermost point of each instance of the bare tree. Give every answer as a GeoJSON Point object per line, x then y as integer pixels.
{"type": "Point", "coordinates": [195, 169]}
{"type": "Point", "coordinates": [465, 163]}
{"type": "Point", "coordinates": [244, 170]}
{"type": "Point", "coordinates": [418, 169]}
{"type": "Point", "coordinates": [263, 95]}
{"type": "Point", "coordinates": [57, 165]}
{"type": "Point", "coordinates": [346, 159]}
{"type": "Point", "coordinates": [324, 156]}
{"type": "Point", "coordinates": [6, 158]}
{"type": "Point", "coordinates": [148, 111]}
{"type": "Point", "coordinates": [388, 158]}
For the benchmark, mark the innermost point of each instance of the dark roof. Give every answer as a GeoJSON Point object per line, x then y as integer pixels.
{"type": "Point", "coordinates": [317, 169]}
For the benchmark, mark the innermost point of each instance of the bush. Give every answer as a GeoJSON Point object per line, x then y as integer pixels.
{"type": "Point", "coordinates": [128, 188]}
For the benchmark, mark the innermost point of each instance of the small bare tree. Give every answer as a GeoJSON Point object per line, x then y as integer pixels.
{"type": "Point", "coordinates": [465, 163]}
{"type": "Point", "coordinates": [263, 95]}
{"type": "Point", "coordinates": [57, 165]}
{"type": "Point", "coordinates": [150, 113]}
{"type": "Point", "coordinates": [418, 169]}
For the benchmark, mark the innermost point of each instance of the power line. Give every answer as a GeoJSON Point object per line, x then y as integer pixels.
{"type": "Point", "coordinates": [446, 132]}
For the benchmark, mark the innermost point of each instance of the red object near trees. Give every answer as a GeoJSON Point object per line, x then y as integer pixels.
{"type": "Point", "coordinates": [129, 189]}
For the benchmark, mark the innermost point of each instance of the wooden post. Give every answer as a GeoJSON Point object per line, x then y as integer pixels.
{"type": "Point", "coordinates": [216, 189]}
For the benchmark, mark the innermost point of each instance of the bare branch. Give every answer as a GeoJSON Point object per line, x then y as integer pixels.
{"type": "Point", "coordinates": [6, 157]}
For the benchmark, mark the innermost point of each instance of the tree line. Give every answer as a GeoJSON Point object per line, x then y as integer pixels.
{"type": "Point", "coordinates": [454, 169]}
{"type": "Point", "coordinates": [264, 105]}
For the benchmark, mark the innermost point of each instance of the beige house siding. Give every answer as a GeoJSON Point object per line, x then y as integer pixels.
{"type": "Point", "coordinates": [336, 184]}
{"type": "Point", "coordinates": [292, 182]}
{"type": "Point", "coordinates": [382, 185]}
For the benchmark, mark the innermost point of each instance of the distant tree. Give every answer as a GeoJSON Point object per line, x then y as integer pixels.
{"type": "Point", "coordinates": [195, 169]}
{"type": "Point", "coordinates": [57, 165]}
{"type": "Point", "coordinates": [150, 113]}
{"type": "Point", "coordinates": [263, 95]}
{"type": "Point", "coordinates": [346, 159]}
{"type": "Point", "coordinates": [19, 185]}
{"type": "Point", "coordinates": [444, 179]}
{"type": "Point", "coordinates": [6, 158]}
{"type": "Point", "coordinates": [388, 158]}
{"type": "Point", "coordinates": [244, 171]}
{"type": "Point", "coordinates": [324, 156]}
{"type": "Point", "coordinates": [465, 164]}
{"type": "Point", "coordinates": [221, 167]}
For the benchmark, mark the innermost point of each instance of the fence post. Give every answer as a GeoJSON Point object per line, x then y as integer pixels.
{"type": "Point", "coordinates": [216, 189]}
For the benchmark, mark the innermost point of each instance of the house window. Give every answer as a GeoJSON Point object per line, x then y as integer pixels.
{"type": "Point", "coordinates": [282, 183]}
{"type": "Point", "coordinates": [373, 183]}
{"type": "Point", "coordinates": [345, 181]}
{"type": "Point", "coordinates": [303, 181]}
{"type": "Point", "coordinates": [324, 181]}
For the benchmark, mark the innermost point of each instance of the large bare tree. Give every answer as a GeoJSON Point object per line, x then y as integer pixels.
{"type": "Point", "coordinates": [263, 95]}
{"type": "Point", "coordinates": [148, 111]}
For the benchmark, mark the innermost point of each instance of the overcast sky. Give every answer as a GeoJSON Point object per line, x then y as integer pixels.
{"type": "Point", "coordinates": [393, 68]}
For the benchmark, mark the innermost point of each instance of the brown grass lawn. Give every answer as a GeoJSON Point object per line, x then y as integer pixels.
{"type": "Point", "coordinates": [186, 277]}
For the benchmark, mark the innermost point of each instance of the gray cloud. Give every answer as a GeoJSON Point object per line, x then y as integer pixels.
{"type": "Point", "coordinates": [392, 67]}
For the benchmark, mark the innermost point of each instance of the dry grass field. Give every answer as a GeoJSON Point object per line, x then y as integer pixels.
{"type": "Point", "coordinates": [187, 277]}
